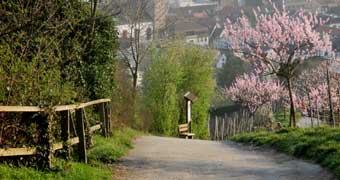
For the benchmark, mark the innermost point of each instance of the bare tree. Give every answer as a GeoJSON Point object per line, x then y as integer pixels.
{"type": "Point", "coordinates": [134, 41]}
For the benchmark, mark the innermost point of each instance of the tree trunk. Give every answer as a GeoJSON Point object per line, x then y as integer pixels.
{"type": "Point", "coordinates": [331, 115]}
{"type": "Point", "coordinates": [292, 120]}
{"type": "Point", "coordinates": [318, 115]}
{"type": "Point", "coordinates": [310, 111]}
{"type": "Point", "coordinates": [134, 81]}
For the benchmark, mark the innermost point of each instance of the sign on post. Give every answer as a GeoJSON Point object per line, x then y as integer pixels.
{"type": "Point", "coordinates": [190, 98]}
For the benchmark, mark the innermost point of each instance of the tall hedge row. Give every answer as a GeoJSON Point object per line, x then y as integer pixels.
{"type": "Point", "coordinates": [174, 70]}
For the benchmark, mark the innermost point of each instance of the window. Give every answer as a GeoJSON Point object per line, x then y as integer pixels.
{"type": "Point", "coordinates": [148, 34]}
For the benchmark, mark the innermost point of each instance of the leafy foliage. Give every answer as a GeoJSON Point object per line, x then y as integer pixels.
{"type": "Point", "coordinates": [174, 71]}
{"type": "Point", "coordinates": [161, 91]}
{"type": "Point", "coordinates": [48, 56]}
{"type": "Point", "coordinates": [52, 52]}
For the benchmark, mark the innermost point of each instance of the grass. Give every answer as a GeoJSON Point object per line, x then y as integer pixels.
{"type": "Point", "coordinates": [103, 152]}
{"type": "Point", "coordinates": [63, 170]}
{"type": "Point", "coordinates": [110, 150]}
{"type": "Point", "coordinates": [321, 145]}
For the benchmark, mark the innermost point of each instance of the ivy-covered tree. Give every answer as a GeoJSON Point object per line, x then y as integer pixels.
{"type": "Point", "coordinates": [52, 52]}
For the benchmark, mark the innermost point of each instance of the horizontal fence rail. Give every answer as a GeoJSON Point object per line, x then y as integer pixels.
{"type": "Point", "coordinates": [55, 108]}
{"type": "Point", "coordinates": [83, 131]}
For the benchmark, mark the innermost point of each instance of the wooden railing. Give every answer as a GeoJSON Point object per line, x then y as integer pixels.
{"type": "Point", "coordinates": [47, 148]}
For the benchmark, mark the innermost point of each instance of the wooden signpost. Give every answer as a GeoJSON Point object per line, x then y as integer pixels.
{"type": "Point", "coordinates": [190, 98]}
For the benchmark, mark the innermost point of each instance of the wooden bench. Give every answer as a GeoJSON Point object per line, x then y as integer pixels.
{"type": "Point", "coordinates": [184, 131]}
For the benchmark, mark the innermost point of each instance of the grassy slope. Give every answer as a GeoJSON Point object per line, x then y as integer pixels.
{"type": "Point", "coordinates": [321, 145]}
{"type": "Point", "coordinates": [103, 151]}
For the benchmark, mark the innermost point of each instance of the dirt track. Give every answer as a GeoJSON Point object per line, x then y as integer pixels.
{"type": "Point", "coordinates": [156, 158]}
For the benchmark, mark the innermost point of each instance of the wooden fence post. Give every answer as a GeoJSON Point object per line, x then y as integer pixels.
{"type": "Point", "coordinates": [65, 134]}
{"type": "Point", "coordinates": [223, 129]}
{"type": "Point", "coordinates": [102, 119]}
{"type": "Point", "coordinates": [45, 149]}
{"type": "Point", "coordinates": [81, 135]}
{"type": "Point", "coordinates": [108, 119]}
{"type": "Point", "coordinates": [216, 129]}
{"type": "Point", "coordinates": [88, 135]}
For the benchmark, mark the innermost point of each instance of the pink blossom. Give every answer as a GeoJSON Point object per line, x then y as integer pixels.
{"type": "Point", "coordinates": [278, 38]}
{"type": "Point", "coordinates": [253, 93]}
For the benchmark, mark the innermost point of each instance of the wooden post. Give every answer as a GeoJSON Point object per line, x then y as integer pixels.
{"type": "Point", "coordinates": [103, 119]}
{"type": "Point", "coordinates": [88, 135]}
{"type": "Point", "coordinates": [190, 98]}
{"type": "Point", "coordinates": [216, 128]}
{"type": "Point", "coordinates": [108, 119]}
{"type": "Point", "coordinates": [188, 105]}
{"type": "Point", "coordinates": [318, 116]}
{"type": "Point", "coordinates": [234, 127]}
{"type": "Point", "coordinates": [45, 148]}
{"type": "Point", "coordinates": [65, 134]}
{"type": "Point", "coordinates": [228, 125]}
{"type": "Point", "coordinates": [81, 135]}
{"type": "Point", "coordinates": [223, 129]}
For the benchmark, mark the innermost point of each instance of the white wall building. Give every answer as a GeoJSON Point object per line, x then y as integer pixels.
{"type": "Point", "coordinates": [199, 40]}
{"type": "Point", "coordinates": [128, 31]}
{"type": "Point", "coordinates": [192, 3]}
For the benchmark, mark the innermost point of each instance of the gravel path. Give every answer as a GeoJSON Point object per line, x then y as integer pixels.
{"type": "Point", "coordinates": [157, 158]}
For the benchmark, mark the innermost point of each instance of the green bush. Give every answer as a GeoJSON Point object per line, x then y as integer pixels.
{"type": "Point", "coordinates": [321, 145]}
{"type": "Point", "coordinates": [175, 70]}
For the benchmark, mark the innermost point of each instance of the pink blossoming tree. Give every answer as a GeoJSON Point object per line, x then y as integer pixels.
{"type": "Point", "coordinates": [253, 93]}
{"type": "Point", "coordinates": [279, 42]}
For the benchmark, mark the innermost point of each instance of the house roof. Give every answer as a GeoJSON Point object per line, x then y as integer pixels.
{"type": "Point", "coordinates": [189, 26]}
{"type": "Point", "coordinates": [190, 10]}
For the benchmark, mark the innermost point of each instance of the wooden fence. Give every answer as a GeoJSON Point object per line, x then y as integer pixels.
{"type": "Point", "coordinates": [222, 126]}
{"type": "Point", "coordinates": [83, 131]}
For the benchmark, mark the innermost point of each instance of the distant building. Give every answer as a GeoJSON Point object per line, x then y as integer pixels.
{"type": "Point", "coordinates": [192, 3]}
{"type": "Point", "coordinates": [192, 33]}
{"type": "Point", "coordinates": [160, 11]}
{"type": "Point", "coordinates": [144, 29]}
